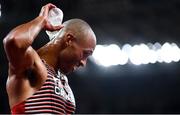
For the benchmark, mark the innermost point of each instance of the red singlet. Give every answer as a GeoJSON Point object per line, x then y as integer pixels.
{"type": "Point", "coordinates": [54, 97]}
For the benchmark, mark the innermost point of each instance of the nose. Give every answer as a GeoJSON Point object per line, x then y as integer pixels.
{"type": "Point", "coordinates": [83, 62]}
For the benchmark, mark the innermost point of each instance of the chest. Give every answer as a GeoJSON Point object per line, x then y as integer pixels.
{"type": "Point", "coordinates": [54, 95]}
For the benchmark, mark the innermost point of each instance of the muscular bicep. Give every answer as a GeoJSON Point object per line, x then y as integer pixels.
{"type": "Point", "coordinates": [20, 59]}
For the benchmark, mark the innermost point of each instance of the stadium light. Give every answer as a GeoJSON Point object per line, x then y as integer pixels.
{"type": "Point", "coordinates": [108, 55]}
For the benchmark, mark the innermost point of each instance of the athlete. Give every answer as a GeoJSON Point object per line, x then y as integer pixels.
{"type": "Point", "coordinates": [37, 81]}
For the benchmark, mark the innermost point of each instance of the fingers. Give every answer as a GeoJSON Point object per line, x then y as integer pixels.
{"type": "Point", "coordinates": [51, 5]}
{"type": "Point", "coordinates": [44, 13]}
{"type": "Point", "coordinates": [54, 28]}
{"type": "Point", "coordinates": [58, 27]}
{"type": "Point", "coordinates": [45, 9]}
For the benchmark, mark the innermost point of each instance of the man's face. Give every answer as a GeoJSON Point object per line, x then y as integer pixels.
{"type": "Point", "coordinates": [75, 55]}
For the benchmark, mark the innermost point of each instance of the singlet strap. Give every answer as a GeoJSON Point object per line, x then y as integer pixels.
{"type": "Point", "coordinates": [48, 67]}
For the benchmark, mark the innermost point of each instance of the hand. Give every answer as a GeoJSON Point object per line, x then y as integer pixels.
{"type": "Point", "coordinates": [44, 13]}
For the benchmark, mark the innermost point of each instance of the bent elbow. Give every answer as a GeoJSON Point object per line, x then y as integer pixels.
{"type": "Point", "coordinates": [11, 41]}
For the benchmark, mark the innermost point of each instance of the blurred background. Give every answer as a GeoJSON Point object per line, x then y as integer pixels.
{"type": "Point", "coordinates": [135, 67]}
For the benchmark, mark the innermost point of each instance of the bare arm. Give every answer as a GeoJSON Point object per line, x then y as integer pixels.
{"type": "Point", "coordinates": [18, 42]}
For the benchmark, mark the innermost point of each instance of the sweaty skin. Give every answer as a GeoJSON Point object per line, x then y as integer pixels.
{"type": "Point", "coordinates": [69, 51]}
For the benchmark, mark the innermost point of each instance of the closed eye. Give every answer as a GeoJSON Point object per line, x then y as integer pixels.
{"type": "Point", "coordinates": [87, 53]}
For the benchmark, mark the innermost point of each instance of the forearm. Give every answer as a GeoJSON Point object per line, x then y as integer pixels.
{"type": "Point", "coordinates": [23, 36]}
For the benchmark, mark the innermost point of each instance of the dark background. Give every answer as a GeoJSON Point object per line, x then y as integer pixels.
{"type": "Point", "coordinates": [152, 88]}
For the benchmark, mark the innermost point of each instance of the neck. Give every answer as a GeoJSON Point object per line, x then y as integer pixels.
{"type": "Point", "coordinates": [49, 54]}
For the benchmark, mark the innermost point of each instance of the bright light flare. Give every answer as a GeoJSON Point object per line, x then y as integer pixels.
{"type": "Point", "coordinates": [108, 55]}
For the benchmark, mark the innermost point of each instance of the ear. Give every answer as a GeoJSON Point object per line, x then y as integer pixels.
{"type": "Point", "coordinates": [69, 39]}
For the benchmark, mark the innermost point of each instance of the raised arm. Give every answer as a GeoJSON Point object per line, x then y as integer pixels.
{"type": "Point", "coordinates": [17, 43]}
